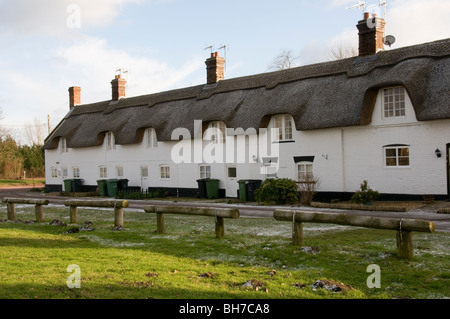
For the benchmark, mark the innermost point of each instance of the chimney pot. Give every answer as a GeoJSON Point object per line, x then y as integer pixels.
{"type": "Point", "coordinates": [366, 15]}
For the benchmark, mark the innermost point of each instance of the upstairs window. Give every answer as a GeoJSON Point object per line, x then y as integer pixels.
{"type": "Point", "coordinates": [152, 141]}
{"type": "Point", "coordinates": [217, 132]}
{"type": "Point", "coordinates": [394, 102]}
{"type": "Point", "coordinates": [63, 145]}
{"type": "Point", "coordinates": [110, 141]}
{"type": "Point", "coordinates": [283, 128]}
{"type": "Point", "coordinates": [397, 156]}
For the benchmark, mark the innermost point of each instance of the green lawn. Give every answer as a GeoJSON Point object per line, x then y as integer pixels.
{"type": "Point", "coordinates": [190, 263]}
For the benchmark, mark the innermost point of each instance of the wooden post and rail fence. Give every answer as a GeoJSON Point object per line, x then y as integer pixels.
{"type": "Point", "coordinates": [38, 204]}
{"type": "Point", "coordinates": [118, 206]}
{"type": "Point", "coordinates": [219, 213]}
{"type": "Point", "coordinates": [404, 227]}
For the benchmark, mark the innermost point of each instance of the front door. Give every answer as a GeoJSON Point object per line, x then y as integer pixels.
{"type": "Point", "coordinates": [232, 183]}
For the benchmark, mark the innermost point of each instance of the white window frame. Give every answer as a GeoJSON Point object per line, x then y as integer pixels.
{"type": "Point", "coordinates": [76, 172]}
{"type": "Point", "coordinates": [119, 171]}
{"type": "Point", "coordinates": [151, 138]}
{"type": "Point", "coordinates": [398, 156]}
{"type": "Point", "coordinates": [103, 172]}
{"type": "Point", "coordinates": [64, 145]}
{"type": "Point", "coordinates": [54, 172]}
{"type": "Point", "coordinates": [217, 132]}
{"type": "Point", "coordinates": [65, 172]}
{"type": "Point", "coordinates": [164, 172]}
{"type": "Point", "coordinates": [394, 102]}
{"type": "Point", "coordinates": [144, 171]}
{"type": "Point", "coordinates": [305, 171]}
{"type": "Point", "coordinates": [204, 171]}
{"type": "Point", "coordinates": [110, 141]}
{"type": "Point", "coordinates": [283, 128]}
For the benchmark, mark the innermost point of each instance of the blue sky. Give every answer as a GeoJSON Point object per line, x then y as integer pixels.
{"type": "Point", "coordinates": [161, 43]}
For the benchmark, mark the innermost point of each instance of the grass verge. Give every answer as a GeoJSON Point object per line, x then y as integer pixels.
{"type": "Point", "coordinates": [254, 261]}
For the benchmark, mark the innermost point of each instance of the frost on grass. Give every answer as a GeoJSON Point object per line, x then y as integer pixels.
{"type": "Point", "coordinates": [111, 243]}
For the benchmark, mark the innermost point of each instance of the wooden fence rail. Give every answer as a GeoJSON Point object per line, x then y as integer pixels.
{"type": "Point", "coordinates": [118, 206]}
{"type": "Point", "coordinates": [11, 209]}
{"type": "Point", "coordinates": [218, 213]}
{"type": "Point", "coordinates": [404, 227]}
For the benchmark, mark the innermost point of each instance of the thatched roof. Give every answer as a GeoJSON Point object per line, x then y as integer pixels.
{"type": "Point", "coordinates": [333, 94]}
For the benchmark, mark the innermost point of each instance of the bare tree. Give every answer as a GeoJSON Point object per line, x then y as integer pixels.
{"type": "Point", "coordinates": [343, 52]}
{"type": "Point", "coordinates": [35, 133]}
{"type": "Point", "coordinates": [285, 60]}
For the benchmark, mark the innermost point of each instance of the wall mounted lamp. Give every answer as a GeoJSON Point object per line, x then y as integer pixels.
{"type": "Point", "coordinates": [438, 153]}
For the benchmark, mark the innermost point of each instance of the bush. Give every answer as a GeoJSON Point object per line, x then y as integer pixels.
{"type": "Point", "coordinates": [279, 191]}
{"type": "Point", "coordinates": [308, 189]}
{"type": "Point", "coordinates": [365, 194]}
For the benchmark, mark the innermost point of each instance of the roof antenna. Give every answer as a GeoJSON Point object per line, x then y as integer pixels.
{"type": "Point", "coordinates": [361, 5]}
{"type": "Point", "coordinates": [209, 47]}
{"type": "Point", "coordinates": [224, 47]}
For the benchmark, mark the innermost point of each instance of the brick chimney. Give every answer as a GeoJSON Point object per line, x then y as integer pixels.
{"type": "Point", "coordinates": [74, 96]}
{"type": "Point", "coordinates": [371, 35]}
{"type": "Point", "coordinates": [215, 68]}
{"type": "Point", "coordinates": [118, 88]}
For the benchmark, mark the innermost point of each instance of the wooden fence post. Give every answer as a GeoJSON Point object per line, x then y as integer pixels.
{"type": "Point", "coordinates": [73, 214]}
{"type": "Point", "coordinates": [297, 234]}
{"type": "Point", "coordinates": [404, 244]}
{"type": "Point", "coordinates": [118, 217]}
{"type": "Point", "coordinates": [39, 212]}
{"type": "Point", "coordinates": [220, 227]}
{"type": "Point", "coordinates": [11, 211]}
{"type": "Point", "coordinates": [160, 224]}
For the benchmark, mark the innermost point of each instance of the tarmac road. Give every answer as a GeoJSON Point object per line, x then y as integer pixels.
{"type": "Point", "coordinates": [428, 212]}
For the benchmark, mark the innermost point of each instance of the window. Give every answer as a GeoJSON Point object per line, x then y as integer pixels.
{"type": "Point", "coordinates": [283, 128]}
{"type": "Point", "coordinates": [144, 171]}
{"type": "Point", "coordinates": [65, 172]}
{"type": "Point", "coordinates": [110, 141]}
{"type": "Point", "coordinates": [63, 145]}
{"type": "Point", "coordinates": [218, 132]}
{"type": "Point", "coordinates": [397, 156]}
{"type": "Point", "coordinates": [205, 171]}
{"type": "Point", "coordinates": [119, 171]}
{"type": "Point", "coordinates": [103, 170]}
{"type": "Point", "coordinates": [54, 172]}
{"type": "Point", "coordinates": [164, 171]}
{"type": "Point", "coordinates": [305, 171]}
{"type": "Point", "coordinates": [232, 172]}
{"type": "Point", "coordinates": [76, 172]}
{"type": "Point", "coordinates": [152, 140]}
{"type": "Point", "coordinates": [394, 102]}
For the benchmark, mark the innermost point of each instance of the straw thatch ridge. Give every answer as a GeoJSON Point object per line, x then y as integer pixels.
{"type": "Point", "coordinates": [325, 95]}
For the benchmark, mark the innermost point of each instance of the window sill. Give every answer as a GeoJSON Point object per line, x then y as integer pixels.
{"type": "Point", "coordinates": [284, 141]}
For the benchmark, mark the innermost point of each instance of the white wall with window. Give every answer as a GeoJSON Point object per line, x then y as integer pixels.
{"type": "Point", "coordinates": [151, 140]}
{"type": "Point", "coordinates": [393, 106]}
{"type": "Point", "coordinates": [204, 171]}
{"type": "Point", "coordinates": [283, 126]}
{"type": "Point", "coordinates": [103, 172]}
{"type": "Point", "coordinates": [76, 172]}
{"type": "Point", "coordinates": [164, 172]}
{"type": "Point", "coordinates": [110, 141]}
{"type": "Point", "coordinates": [304, 171]}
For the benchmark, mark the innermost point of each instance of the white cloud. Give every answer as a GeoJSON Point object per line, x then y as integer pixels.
{"type": "Point", "coordinates": [94, 64]}
{"type": "Point", "coordinates": [56, 16]}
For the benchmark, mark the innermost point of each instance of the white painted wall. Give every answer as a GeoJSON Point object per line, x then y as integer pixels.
{"type": "Point", "coordinates": [344, 157]}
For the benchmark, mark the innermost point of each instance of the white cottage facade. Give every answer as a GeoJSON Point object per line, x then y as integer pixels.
{"type": "Point", "coordinates": [383, 116]}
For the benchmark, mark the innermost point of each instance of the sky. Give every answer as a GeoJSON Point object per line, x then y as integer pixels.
{"type": "Point", "coordinates": [48, 46]}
